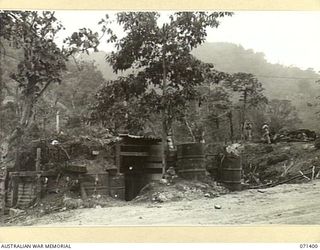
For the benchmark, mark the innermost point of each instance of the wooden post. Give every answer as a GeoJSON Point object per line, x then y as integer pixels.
{"type": "Point", "coordinates": [57, 122]}
{"type": "Point", "coordinates": [4, 192]}
{"type": "Point", "coordinates": [164, 150]}
{"type": "Point", "coordinates": [38, 176]}
{"type": "Point", "coordinates": [15, 185]}
{"type": "Point", "coordinates": [38, 160]}
{"type": "Point", "coordinates": [44, 127]}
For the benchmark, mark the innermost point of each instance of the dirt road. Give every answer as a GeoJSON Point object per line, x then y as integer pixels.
{"type": "Point", "coordinates": [285, 204]}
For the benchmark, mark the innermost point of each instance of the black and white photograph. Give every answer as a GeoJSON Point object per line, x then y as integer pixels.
{"type": "Point", "coordinates": [159, 118]}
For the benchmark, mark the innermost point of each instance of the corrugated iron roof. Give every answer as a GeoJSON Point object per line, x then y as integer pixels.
{"type": "Point", "coordinates": [144, 137]}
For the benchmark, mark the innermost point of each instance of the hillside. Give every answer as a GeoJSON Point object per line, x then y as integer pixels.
{"type": "Point", "coordinates": [279, 81]}
{"type": "Point", "coordinates": [277, 78]}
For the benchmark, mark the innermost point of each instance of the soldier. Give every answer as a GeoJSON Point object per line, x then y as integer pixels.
{"type": "Point", "coordinates": [266, 132]}
{"type": "Point", "coordinates": [248, 130]}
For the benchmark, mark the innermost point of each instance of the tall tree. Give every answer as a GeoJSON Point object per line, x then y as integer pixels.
{"type": "Point", "coordinates": [282, 115]}
{"type": "Point", "coordinates": [161, 52]}
{"type": "Point", "coordinates": [250, 92]}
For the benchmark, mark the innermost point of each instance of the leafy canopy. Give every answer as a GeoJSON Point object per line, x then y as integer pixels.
{"type": "Point", "coordinates": [159, 55]}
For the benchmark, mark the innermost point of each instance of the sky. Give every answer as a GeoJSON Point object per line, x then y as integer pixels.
{"type": "Point", "coordinates": [290, 38]}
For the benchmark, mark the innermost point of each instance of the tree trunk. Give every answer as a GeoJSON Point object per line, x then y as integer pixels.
{"type": "Point", "coordinates": [244, 110]}
{"type": "Point", "coordinates": [1, 88]}
{"type": "Point", "coordinates": [5, 144]}
{"type": "Point", "coordinates": [231, 126]}
{"type": "Point", "coordinates": [164, 132]}
{"type": "Point", "coordinates": [27, 110]}
{"type": "Point", "coordinates": [17, 132]}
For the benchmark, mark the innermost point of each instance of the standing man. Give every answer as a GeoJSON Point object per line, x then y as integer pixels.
{"type": "Point", "coordinates": [266, 132]}
{"type": "Point", "coordinates": [248, 130]}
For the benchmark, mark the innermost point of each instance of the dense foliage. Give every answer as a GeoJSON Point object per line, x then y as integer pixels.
{"type": "Point", "coordinates": [166, 72]}
{"type": "Point", "coordinates": [41, 62]}
{"type": "Point", "coordinates": [162, 82]}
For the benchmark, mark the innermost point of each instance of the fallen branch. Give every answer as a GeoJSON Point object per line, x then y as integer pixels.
{"type": "Point", "coordinates": [306, 177]}
{"type": "Point", "coordinates": [313, 172]}
{"type": "Point", "coordinates": [317, 174]}
{"type": "Point", "coordinates": [281, 182]}
{"type": "Point", "coordinates": [65, 151]}
{"type": "Point", "coordinates": [286, 168]}
{"type": "Point", "coordinates": [190, 129]}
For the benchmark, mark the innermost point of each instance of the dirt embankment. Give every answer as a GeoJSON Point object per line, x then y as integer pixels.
{"type": "Point", "coordinates": [284, 204]}
{"type": "Point", "coordinates": [274, 164]}
{"type": "Point", "coordinates": [191, 202]}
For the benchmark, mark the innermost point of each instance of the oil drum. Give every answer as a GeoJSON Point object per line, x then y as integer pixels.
{"type": "Point", "coordinates": [117, 186]}
{"type": "Point", "coordinates": [230, 172]}
{"type": "Point", "coordinates": [191, 161]}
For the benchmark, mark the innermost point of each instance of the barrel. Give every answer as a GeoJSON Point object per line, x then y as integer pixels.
{"type": "Point", "coordinates": [95, 183]}
{"type": "Point", "coordinates": [117, 186]}
{"type": "Point", "coordinates": [213, 152]}
{"type": "Point", "coordinates": [191, 162]}
{"type": "Point", "coordinates": [212, 165]}
{"type": "Point", "coordinates": [230, 172]}
{"type": "Point", "coordinates": [152, 169]}
{"type": "Point", "coordinates": [9, 197]}
{"type": "Point", "coordinates": [153, 163]}
{"type": "Point", "coordinates": [154, 160]}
